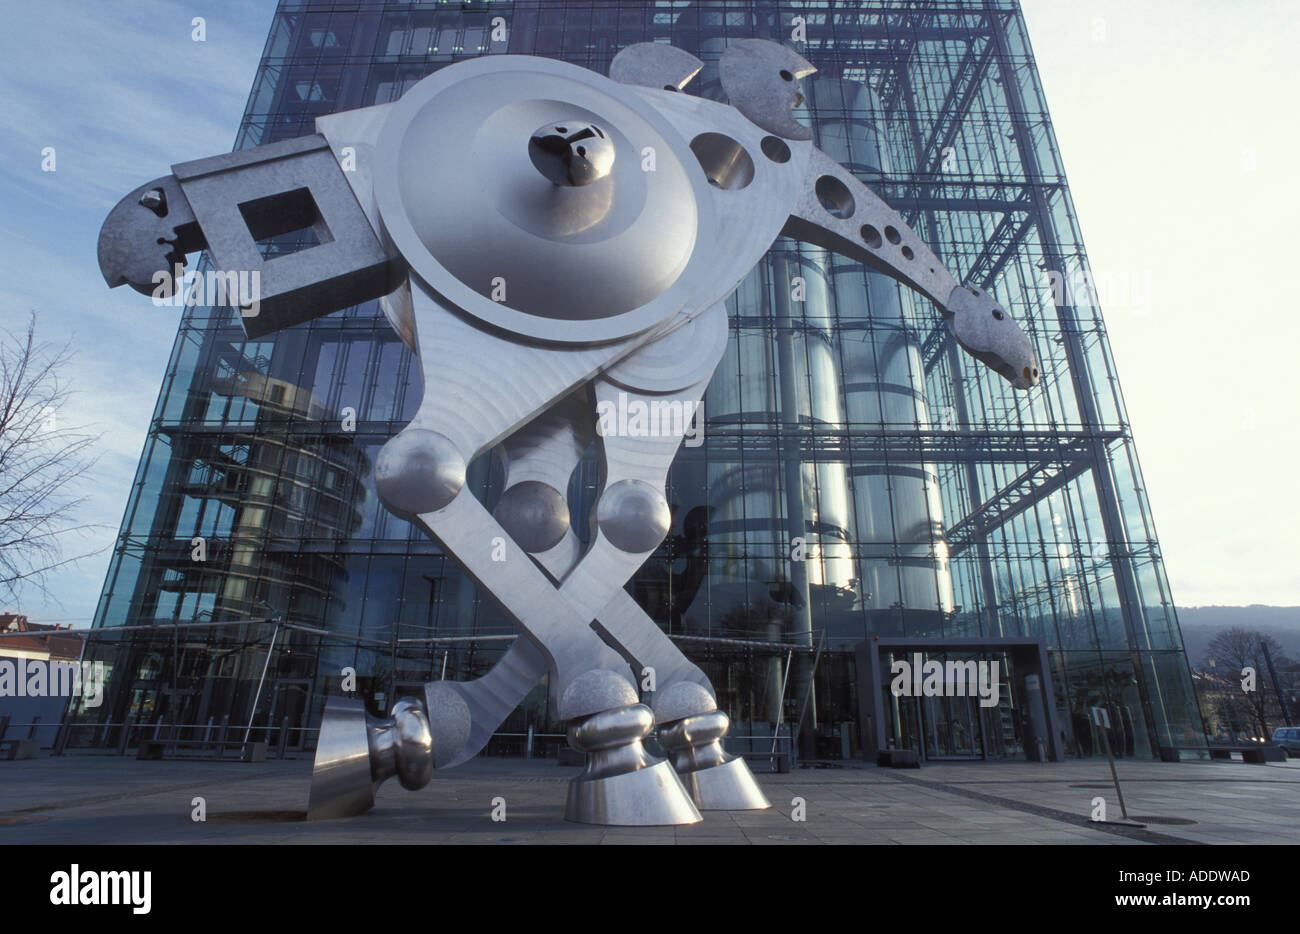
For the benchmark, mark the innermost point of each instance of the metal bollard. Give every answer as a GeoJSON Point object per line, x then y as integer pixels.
{"type": "Point", "coordinates": [61, 739]}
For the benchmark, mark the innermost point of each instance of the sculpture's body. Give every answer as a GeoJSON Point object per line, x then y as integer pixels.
{"type": "Point", "coordinates": [546, 239]}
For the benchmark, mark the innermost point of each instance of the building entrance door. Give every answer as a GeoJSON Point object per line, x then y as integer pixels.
{"type": "Point", "coordinates": [951, 728]}
{"type": "Point", "coordinates": [1013, 697]}
{"type": "Point", "coordinates": [291, 697]}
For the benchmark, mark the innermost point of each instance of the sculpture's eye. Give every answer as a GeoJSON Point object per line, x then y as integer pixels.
{"type": "Point", "coordinates": [998, 315]}
{"type": "Point", "coordinates": [786, 76]}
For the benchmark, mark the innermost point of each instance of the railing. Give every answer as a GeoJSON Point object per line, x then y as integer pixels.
{"type": "Point", "coordinates": [212, 739]}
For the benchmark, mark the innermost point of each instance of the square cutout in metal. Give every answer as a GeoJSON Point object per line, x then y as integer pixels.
{"type": "Point", "coordinates": [285, 223]}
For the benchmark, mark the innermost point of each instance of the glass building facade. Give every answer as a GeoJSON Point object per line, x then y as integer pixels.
{"type": "Point", "coordinates": [860, 475]}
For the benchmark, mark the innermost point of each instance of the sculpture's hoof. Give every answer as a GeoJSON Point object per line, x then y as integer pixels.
{"type": "Point", "coordinates": [729, 786]}
{"type": "Point", "coordinates": [623, 784]}
{"type": "Point", "coordinates": [356, 753]}
{"type": "Point", "coordinates": [716, 781]}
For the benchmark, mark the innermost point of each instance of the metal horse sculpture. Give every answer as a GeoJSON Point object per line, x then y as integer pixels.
{"type": "Point", "coordinates": [545, 239]}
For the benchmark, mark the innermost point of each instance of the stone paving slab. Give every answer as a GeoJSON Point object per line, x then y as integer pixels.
{"type": "Point", "coordinates": [103, 799]}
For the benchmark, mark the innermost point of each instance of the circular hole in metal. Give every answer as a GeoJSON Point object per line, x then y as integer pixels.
{"type": "Point", "coordinates": [725, 161]}
{"type": "Point", "coordinates": [834, 196]}
{"type": "Point", "coordinates": [872, 236]}
{"type": "Point", "coordinates": [998, 315]}
{"type": "Point", "coordinates": [893, 236]}
{"type": "Point", "coordinates": [907, 252]}
{"type": "Point", "coordinates": [775, 149]}
{"type": "Point", "coordinates": [561, 129]}
{"type": "Point", "coordinates": [786, 76]}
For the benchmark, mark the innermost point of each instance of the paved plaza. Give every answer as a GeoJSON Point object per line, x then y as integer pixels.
{"type": "Point", "coordinates": [104, 799]}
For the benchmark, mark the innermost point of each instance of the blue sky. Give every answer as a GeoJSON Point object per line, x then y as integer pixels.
{"type": "Point", "coordinates": [121, 91]}
{"type": "Point", "coordinates": [1175, 123]}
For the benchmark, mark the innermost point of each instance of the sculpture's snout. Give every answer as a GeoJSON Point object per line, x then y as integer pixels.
{"type": "Point", "coordinates": [987, 332]}
{"type": "Point", "coordinates": [146, 236]}
{"type": "Point", "coordinates": [572, 154]}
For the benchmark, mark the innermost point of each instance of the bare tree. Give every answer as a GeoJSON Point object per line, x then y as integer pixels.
{"type": "Point", "coordinates": [40, 460]}
{"type": "Point", "coordinates": [1233, 650]}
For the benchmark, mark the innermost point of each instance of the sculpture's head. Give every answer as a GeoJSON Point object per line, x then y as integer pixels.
{"type": "Point", "coordinates": [146, 236]}
{"type": "Point", "coordinates": [762, 81]}
{"type": "Point", "coordinates": [986, 331]}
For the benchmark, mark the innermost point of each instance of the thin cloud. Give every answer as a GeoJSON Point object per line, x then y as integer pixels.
{"type": "Point", "coordinates": [120, 92]}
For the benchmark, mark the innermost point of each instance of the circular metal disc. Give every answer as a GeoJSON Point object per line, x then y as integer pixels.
{"type": "Point", "coordinates": [476, 220]}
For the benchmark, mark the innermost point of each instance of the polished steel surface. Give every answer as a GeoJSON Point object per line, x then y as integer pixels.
{"type": "Point", "coordinates": [622, 783]}
{"type": "Point", "coordinates": [573, 154]}
{"type": "Point", "coordinates": [418, 471]}
{"type": "Point", "coordinates": [728, 786]}
{"type": "Point", "coordinates": [356, 753]}
{"type": "Point", "coordinates": [472, 123]}
{"type": "Point", "coordinates": [551, 241]}
{"type": "Point", "coordinates": [691, 731]}
{"type": "Point", "coordinates": [341, 785]}
{"type": "Point", "coordinates": [535, 515]}
{"type": "Point", "coordinates": [633, 515]}
{"type": "Point", "coordinates": [402, 745]}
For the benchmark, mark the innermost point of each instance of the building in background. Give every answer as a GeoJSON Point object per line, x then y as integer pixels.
{"type": "Point", "coordinates": [24, 645]}
{"type": "Point", "coordinates": [864, 491]}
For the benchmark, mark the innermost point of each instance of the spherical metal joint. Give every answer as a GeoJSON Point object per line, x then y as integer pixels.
{"type": "Point", "coordinates": [419, 471]}
{"type": "Point", "coordinates": [572, 154]}
{"type": "Point", "coordinates": [633, 515]}
{"type": "Point", "coordinates": [534, 514]}
{"type": "Point", "coordinates": [682, 699]}
{"type": "Point", "coordinates": [596, 690]}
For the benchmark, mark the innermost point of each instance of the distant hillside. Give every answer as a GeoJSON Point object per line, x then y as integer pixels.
{"type": "Point", "coordinates": [1201, 623]}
